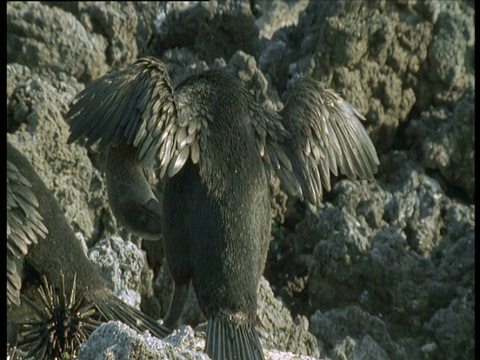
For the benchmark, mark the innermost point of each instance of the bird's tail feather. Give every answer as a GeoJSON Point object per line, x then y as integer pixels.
{"type": "Point", "coordinates": [115, 309]}
{"type": "Point", "coordinates": [228, 340]}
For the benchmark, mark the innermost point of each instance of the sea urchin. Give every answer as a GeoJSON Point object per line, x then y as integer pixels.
{"type": "Point", "coordinates": [60, 325]}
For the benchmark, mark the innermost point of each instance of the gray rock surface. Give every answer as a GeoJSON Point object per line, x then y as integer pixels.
{"type": "Point", "coordinates": [116, 341]}
{"type": "Point", "coordinates": [276, 327]}
{"type": "Point", "coordinates": [35, 105]}
{"type": "Point", "coordinates": [211, 29]}
{"type": "Point", "coordinates": [388, 260]}
{"type": "Point", "coordinates": [446, 141]}
{"type": "Point", "coordinates": [279, 330]}
{"type": "Point", "coordinates": [43, 36]}
{"type": "Point", "coordinates": [383, 269]}
{"type": "Point", "coordinates": [121, 263]}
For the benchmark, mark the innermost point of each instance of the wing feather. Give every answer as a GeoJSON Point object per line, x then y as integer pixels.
{"type": "Point", "coordinates": [270, 137]}
{"type": "Point", "coordinates": [137, 105]}
{"type": "Point", "coordinates": [319, 134]}
{"type": "Point", "coordinates": [320, 120]}
{"type": "Point", "coordinates": [24, 226]}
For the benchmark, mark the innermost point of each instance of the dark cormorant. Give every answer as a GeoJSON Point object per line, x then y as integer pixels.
{"type": "Point", "coordinates": [219, 150]}
{"type": "Point", "coordinates": [41, 243]}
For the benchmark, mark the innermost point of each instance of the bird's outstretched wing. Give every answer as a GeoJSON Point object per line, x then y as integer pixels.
{"type": "Point", "coordinates": [324, 135]}
{"type": "Point", "coordinates": [272, 141]}
{"type": "Point", "coordinates": [38, 230]}
{"type": "Point", "coordinates": [136, 105]}
{"type": "Point", "coordinates": [24, 227]}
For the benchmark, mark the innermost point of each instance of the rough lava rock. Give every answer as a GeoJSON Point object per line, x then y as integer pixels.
{"type": "Point", "coordinates": [43, 36]}
{"type": "Point", "coordinates": [34, 109]}
{"type": "Point", "coordinates": [121, 263]}
{"type": "Point", "coordinates": [276, 327]}
{"type": "Point", "coordinates": [383, 269]}
{"type": "Point", "coordinates": [116, 341]}
{"type": "Point", "coordinates": [447, 143]}
{"type": "Point", "coordinates": [389, 260]}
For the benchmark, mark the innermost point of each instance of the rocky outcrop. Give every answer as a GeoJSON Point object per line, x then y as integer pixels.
{"type": "Point", "coordinates": [382, 268]}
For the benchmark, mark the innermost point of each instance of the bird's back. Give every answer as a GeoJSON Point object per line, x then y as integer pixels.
{"type": "Point", "coordinates": [219, 210]}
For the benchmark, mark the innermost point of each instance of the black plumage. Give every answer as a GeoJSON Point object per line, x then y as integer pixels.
{"type": "Point", "coordinates": [131, 198]}
{"type": "Point", "coordinates": [40, 242]}
{"type": "Point", "coordinates": [219, 150]}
